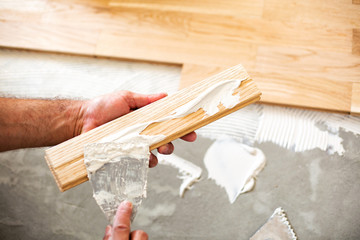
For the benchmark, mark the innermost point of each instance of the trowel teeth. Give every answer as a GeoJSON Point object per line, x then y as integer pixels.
{"type": "Point", "coordinates": [281, 213]}
{"type": "Point", "coordinates": [276, 227]}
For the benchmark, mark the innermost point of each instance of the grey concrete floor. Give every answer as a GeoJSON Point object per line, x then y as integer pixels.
{"type": "Point", "coordinates": [319, 192]}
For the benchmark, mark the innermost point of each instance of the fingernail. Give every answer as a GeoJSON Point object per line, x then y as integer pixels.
{"type": "Point", "coordinates": [126, 204]}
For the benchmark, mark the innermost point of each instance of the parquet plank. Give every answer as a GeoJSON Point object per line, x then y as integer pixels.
{"type": "Point", "coordinates": [66, 159]}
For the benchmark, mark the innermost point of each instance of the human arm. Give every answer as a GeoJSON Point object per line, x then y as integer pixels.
{"type": "Point", "coordinates": [35, 123]}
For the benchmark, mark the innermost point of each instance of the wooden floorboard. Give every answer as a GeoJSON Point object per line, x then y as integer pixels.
{"type": "Point", "coordinates": [283, 42]}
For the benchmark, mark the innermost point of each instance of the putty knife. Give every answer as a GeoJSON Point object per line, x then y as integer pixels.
{"type": "Point", "coordinates": [122, 178]}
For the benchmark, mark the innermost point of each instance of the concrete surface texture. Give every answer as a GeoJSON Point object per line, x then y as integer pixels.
{"type": "Point", "coordinates": [318, 191]}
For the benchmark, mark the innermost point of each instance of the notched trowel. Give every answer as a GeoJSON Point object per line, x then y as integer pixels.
{"type": "Point", "coordinates": [277, 227]}
{"type": "Point", "coordinates": [117, 172]}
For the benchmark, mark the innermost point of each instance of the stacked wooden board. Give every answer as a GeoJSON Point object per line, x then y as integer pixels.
{"type": "Point", "coordinates": [300, 53]}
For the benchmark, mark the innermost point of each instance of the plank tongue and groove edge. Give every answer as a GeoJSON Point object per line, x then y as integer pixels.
{"type": "Point", "coordinates": [66, 160]}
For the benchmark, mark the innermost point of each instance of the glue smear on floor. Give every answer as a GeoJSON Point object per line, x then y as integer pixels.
{"type": "Point", "coordinates": [234, 166]}
{"type": "Point", "coordinates": [233, 163]}
{"type": "Point", "coordinates": [295, 129]}
{"type": "Point", "coordinates": [189, 172]}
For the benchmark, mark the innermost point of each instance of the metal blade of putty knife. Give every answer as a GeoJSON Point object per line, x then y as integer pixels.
{"type": "Point", "coordinates": [119, 176]}
{"type": "Point", "coordinates": [277, 227]}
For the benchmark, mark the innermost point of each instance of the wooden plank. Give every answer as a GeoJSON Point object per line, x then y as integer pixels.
{"type": "Point", "coordinates": [175, 37]}
{"type": "Point", "coordinates": [356, 42]}
{"type": "Point", "coordinates": [288, 42]}
{"type": "Point", "coordinates": [297, 77]}
{"type": "Point", "coordinates": [47, 37]}
{"type": "Point", "coordinates": [66, 159]}
{"type": "Point", "coordinates": [287, 90]}
{"type": "Point", "coordinates": [355, 99]}
{"type": "Point", "coordinates": [190, 73]}
{"type": "Point", "coordinates": [173, 49]}
{"type": "Point", "coordinates": [309, 93]}
{"type": "Point", "coordinates": [162, 35]}
{"type": "Point", "coordinates": [327, 13]}
{"type": "Point", "coordinates": [302, 77]}
{"type": "Point", "coordinates": [305, 63]}
{"type": "Point", "coordinates": [195, 38]}
{"type": "Point", "coordinates": [245, 8]}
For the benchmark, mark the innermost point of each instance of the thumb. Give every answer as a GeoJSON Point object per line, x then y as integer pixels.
{"type": "Point", "coordinates": [107, 233]}
{"type": "Point", "coordinates": [154, 97]}
{"type": "Point", "coordinates": [136, 100]}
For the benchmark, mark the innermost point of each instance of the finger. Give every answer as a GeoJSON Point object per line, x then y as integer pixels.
{"type": "Point", "coordinates": [154, 97]}
{"type": "Point", "coordinates": [166, 149]}
{"type": "Point", "coordinates": [190, 137]}
{"type": "Point", "coordinates": [139, 235]}
{"type": "Point", "coordinates": [107, 233]}
{"type": "Point", "coordinates": [153, 161]}
{"type": "Point", "coordinates": [121, 225]}
{"type": "Point", "coordinates": [137, 100]}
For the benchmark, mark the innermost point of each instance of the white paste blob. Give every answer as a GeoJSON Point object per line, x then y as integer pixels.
{"type": "Point", "coordinates": [133, 145]}
{"type": "Point", "coordinates": [234, 166]}
{"type": "Point", "coordinates": [209, 100]}
{"type": "Point", "coordinates": [189, 172]}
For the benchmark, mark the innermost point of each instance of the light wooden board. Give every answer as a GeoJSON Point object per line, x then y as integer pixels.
{"type": "Point", "coordinates": [248, 8]}
{"type": "Point", "coordinates": [356, 42]}
{"type": "Point", "coordinates": [66, 159]}
{"type": "Point", "coordinates": [355, 99]}
{"type": "Point", "coordinates": [294, 91]}
{"type": "Point", "coordinates": [295, 46]}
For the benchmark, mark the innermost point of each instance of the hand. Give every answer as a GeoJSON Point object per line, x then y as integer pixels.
{"type": "Point", "coordinates": [105, 108]}
{"type": "Point", "coordinates": [121, 226]}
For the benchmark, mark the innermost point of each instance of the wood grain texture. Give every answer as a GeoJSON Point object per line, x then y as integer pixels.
{"type": "Point", "coordinates": [295, 91]}
{"type": "Point", "coordinates": [326, 13]}
{"type": "Point", "coordinates": [355, 99]}
{"type": "Point", "coordinates": [66, 159]}
{"type": "Point", "coordinates": [174, 37]}
{"type": "Point", "coordinates": [308, 63]}
{"type": "Point", "coordinates": [191, 72]}
{"type": "Point", "coordinates": [248, 8]}
{"type": "Point", "coordinates": [285, 42]}
{"type": "Point", "coordinates": [356, 42]}
{"type": "Point", "coordinates": [200, 38]}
